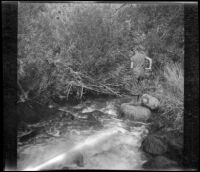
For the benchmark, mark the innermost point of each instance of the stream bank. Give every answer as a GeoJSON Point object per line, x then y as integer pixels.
{"type": "Point", "coordinates": [91, 134]}
{"type": "Point", "coordinates": [164, 147]}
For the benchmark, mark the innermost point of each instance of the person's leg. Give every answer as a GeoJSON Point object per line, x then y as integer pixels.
{"type": "Point", "coordinates": [139, 85]}
{"type": "Point", "coordinates": [139, 80]}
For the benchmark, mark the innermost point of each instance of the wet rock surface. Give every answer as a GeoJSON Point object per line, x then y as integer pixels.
{"type": "Point", "coordinates": [155, 145]}
{"type": "Point", "coordinates": [136, 113]}
{"type": "Point", "coordinates": [162, 142]}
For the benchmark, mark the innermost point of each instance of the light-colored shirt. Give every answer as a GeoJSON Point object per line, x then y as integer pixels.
{"type": "Point", "coordinates": [138, 59]}
{"type": "Point", "coordinates": [138, 63]}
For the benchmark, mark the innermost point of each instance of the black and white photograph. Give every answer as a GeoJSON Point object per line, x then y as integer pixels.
{"type": "Point", "coordinates": [100, 85]}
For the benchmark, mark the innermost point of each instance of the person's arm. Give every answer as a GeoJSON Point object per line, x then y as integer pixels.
{"type": "Point", "coordinates": [131, 58]}
{"type": "Point", "coordinates": [150, 62]}
{"type": "Point", "coordinates": [131, 64]}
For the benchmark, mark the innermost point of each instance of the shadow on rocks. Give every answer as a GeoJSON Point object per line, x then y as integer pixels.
{"type": "Point", "coordinates": [163, 144]}
{"type": "Point", "coordinates": [160, 162]}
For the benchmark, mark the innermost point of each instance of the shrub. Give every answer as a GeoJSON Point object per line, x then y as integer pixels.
{"type": "Point", "coordinates": [77, 48]}
{"type": "Point", "coordinates": [172, 96]}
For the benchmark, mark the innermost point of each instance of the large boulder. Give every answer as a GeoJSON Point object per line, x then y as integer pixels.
{"type": "Point", "coordinates": [150, 102]}
{"type": "Point", "coordinates": [137, 113]}
{"type": "Point", "coordinates": [160, 162]}
{"type": "Point", "coordinates": [154, 145]}
{"type": "Point", "coordinates": [175, 146]}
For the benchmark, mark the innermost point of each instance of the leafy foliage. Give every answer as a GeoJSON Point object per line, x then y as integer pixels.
{"type": "Point", "coordinates": [69, 49]}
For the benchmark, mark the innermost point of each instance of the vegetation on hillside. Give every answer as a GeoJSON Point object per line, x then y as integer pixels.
{"type": "Point", "coordinates": [71, 49]}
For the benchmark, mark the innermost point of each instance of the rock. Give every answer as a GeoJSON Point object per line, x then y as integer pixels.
{"type": "Point", "coordinates": [89, 119]}
{"type": "Point", "coordinates": [98, 114]}
{"type": "Point", "coordinates": [160, 162]}
{"type": "Point", "coordinates": [92, 116]}
{"type": "Point", "coordinates": [87, 116]}
{"type": "Point", "coordinates": [66, 115]}
{"type": "Point", "coordinates": [75, 158]}
{"type": "Point", "coordinates": [150, 102]}
{"type": "Point", "coordinates": [79, 160]}
{"type": "Point", "coordinates": [29, 136]}
{"type": "Point", "coordinates": [154, 145]}
{"type": "Point", "coordinates": [137, 113]}
{"type": "Point", "coordinates": [174, 139]}
{"type": "Point", "coordinates": [175, 146]}
{"type": "Point", "coordinates": [156, 126]}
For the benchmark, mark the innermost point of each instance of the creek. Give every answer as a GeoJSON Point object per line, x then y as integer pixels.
{"type": "Point", "coordinates": [96, 138]}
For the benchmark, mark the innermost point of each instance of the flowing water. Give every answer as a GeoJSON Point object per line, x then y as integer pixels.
{"type": "Point", "coordinates": [95, 139]}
